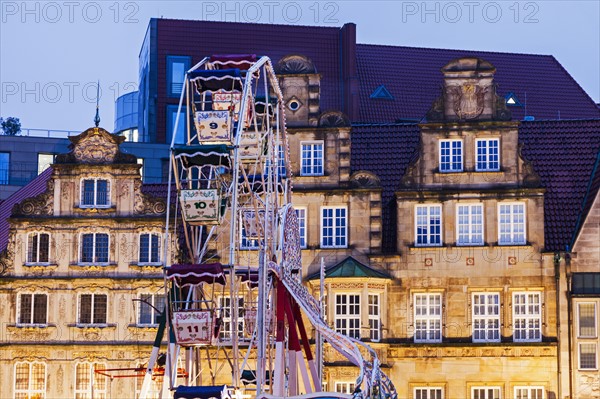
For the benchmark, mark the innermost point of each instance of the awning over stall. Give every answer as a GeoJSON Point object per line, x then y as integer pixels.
{"type": "Point", "coordinates": [194, 274]}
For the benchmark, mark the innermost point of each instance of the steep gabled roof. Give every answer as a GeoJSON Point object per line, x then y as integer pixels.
{"type": "Point", "coordinates": [350, 267]}
{"type": "Point", "coordinates": [412, 76]}
{"type": "Point", "coordinates": [33, 188]}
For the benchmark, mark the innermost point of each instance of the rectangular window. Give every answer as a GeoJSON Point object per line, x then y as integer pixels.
{"type": "Point", "coordinates": [301, 214]}
{"type": "Point", "coordinates": [587, 356]}
{"type": "Point", "coordinates": [44, 161]}
{"type": "Point", "coordinates": [529, 393]}
{"type": "Point", "coordinates": [511, 224]}
{"type": "Point", "coordinates": [4, 167]}
{"type": "Point", "coordinates": [428, 317]}
{"type": "Point", "coordinates": [95, 193]}
{"type": "Point", "coordinates": [486, 317]}
{"type": "Point", "coordinates": [30, 380]}
{"type": "Point", "coordinates": [225, 313]}
{"type": "Point", "coordinates": [527, 317]}
{"type": "Point", "coordinates": [347, 314]}
{"type": "Point", "coordinates": [38, 248]}
{"type": "Point", "coordinates": [94, 248]}
{"type": "Point", "coordinates": [345, 387]}
{"type": "Point", "coordinates": [180, 135]}
{"type": "Point", "coordinates": [488, 155]}
{"type": "Point", "coordinates": [428, 225]}
{"type": "Point", "coordinates": [311, 159]}
{"type": "Point", "coordinates": [33, 310]}
{"type": "Point", "coordinates": [245, 242]}
{"type": "Point", "coordinates": [334, 227]}
{"type": "Point", "coordinates": [149, 248]}
{"type": "Point", "coordinates": [140, 161]}
{"type": "Point", "coordinates": [151, 305]}
{"type": "Point", "coordinates": [469, 224]}
{"type": "Point", "coordinates": [586, 320]}
{"type": "Point", "coordinates": [92, 309]}
{"type": "Point", "coordinates": [89, 384]}
{"type": "Point", "coordinates": [429, 393]}
{"type": "Point", "coordinates": [485, 393]}
{"type": "Point", "coordinates": [451, 156]}
{"type": "Point", "coordinates": [374, 318]}
{"type": "Point", "coordinates": [177, 66]}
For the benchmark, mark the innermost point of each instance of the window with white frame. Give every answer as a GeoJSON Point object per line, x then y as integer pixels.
{"type": "Point", "coordinates": [511, 224]}
{"type": "Point", "coordinates": [451, 158]}
{"type": "Point", "coordinates": [334, 227]}
{"type": "Point", "coordinates": [89, 384]}
{"type": "Point", "coordinates": [486, 317]}
{"type": "Point", "coordinates": [527, 316]}
{"type": "Point", "coordinates": [469, 224]}
{"type": "Point", "coordinates": [225, 313]}
{"type": "Point", "coordinates": [311, 158]}
{"type": "Point", "coordinates": [94, 248]}
{"type": "Point", "coordinates": [38, 247]}
{"type": "Point", "coordinates": [347, 314]}
{"type": "Point", "coordinates": [30, 380]}
{"type": "Point", "coordinates": [586, 318]}
{"type": "Point", "coordinates": [428, 393]}
{"type": "Point", "coordinates": [151, 306]}
{"type": "Point", "coordinates": [95, 193]}
{"type": "Point", "coordinates": [92, 309]}
{"type": "Point", "coordinates": [347, 387]}
{"type": "Point", "coordinates": [428, 225]}
{"type": "Point", "coordinates": [301, 214]}
{"type": "Point", "coordinates": [149, 248]}
{"type": "Point", "coordinates": [245, 242]}
{"type": "Point", "coordinates": [374, 317]}
{"type": "Point", "coordinates": [428, 317]}
{"type": "Point", "coordinates": [485, 393]}
{"type": "Point", "coordinates": [587, 356]}
{"type": "Point", "coordinates": [32, 310]}
{"type": "Point", "coordinates": [488, 155]}
{"type": "Point", "coordinates": [529, 392]}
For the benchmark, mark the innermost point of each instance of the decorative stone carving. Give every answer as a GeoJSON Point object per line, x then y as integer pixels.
{"type": "Point", "coordinates": [147, 204]}
{"type": "Point", "coordinates": [364, 179]}
{"type": "Point", "coordinates": [42, 204]}
{"type": "Point", "coordinates": [96, 146]}
{"type": "Point", "coordinates": [333, 119]}
{"type": "Point", "coordinates": [295, 64]}
{"type": "Point", "coordinates": [467, 100]}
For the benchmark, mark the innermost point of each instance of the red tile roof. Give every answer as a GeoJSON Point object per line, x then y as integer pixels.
{"type": "Point", "coordinates": [35, 187]}
{"type": "Point", "coordinates": [413, 77]}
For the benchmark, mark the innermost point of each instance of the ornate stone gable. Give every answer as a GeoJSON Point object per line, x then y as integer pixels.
{"type": "Point", "coordinates": [96, 146]}
{"type": "Point", "coordinates": [40, 205]}
{"type": "Point", "coordinates": [146, 204]}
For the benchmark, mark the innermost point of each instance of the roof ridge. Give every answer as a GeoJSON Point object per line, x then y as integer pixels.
{"type": "Point", "coordinates": [450, 49]}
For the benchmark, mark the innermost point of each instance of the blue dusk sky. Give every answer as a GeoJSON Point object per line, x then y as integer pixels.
{"type": "Point", "coordinates": [52, 53]}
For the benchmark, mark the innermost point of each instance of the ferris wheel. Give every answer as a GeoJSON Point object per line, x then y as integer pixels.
{"type": "Point", "coordinates": [235, 300]}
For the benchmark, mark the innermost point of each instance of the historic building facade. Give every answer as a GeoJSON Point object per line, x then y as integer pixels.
{"type": "Point", "coordinates": [84, 262]}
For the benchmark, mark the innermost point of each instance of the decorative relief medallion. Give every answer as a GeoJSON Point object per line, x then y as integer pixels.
{"type": "Point", "coordinates": [95, 149]}
{"type": "Point", "coordinates": [364, 179]}
{"type": "Point", "coordinates": [467, 100]}
{"type": "Point", "coordinates": [333, 119]}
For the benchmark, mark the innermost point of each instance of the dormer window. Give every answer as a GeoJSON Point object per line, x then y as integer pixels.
{"type": "Point", "coordinates": [511, 99]}
{"type": "Point", "coordinates": [95, 193]}
{"type": "Point", "coordinates": [451, 156]}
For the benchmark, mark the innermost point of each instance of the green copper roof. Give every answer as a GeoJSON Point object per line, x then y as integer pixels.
{"type": "Point", "coordinates": [349, 267]}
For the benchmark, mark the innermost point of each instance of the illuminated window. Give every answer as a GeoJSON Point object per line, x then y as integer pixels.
{"type": "Point", "coordinates": [469, 224]}
{"type": "Point", "coordinates": [30, 380]}
{"type": "Point", "coordinates": [485, 393]}
{"type": "Point", "coordinates": [486, 317]}
{"type": "Point", "coordinates": [527, 317]}
{"type": "Point", "coordinates": [529, 393]}
{"type": "Point", "coordinates": [511, 224]}
{"type": "Point", "coordinates": [429, 393]}
{"type": "Point", "coordinates": [428, 317]}
{"type": "Point", "coordinates": [89, 384]}
{"type": "Point", "coordinates": [347, 314]}
{"type": "Point", "coordinates": [374, 318]}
